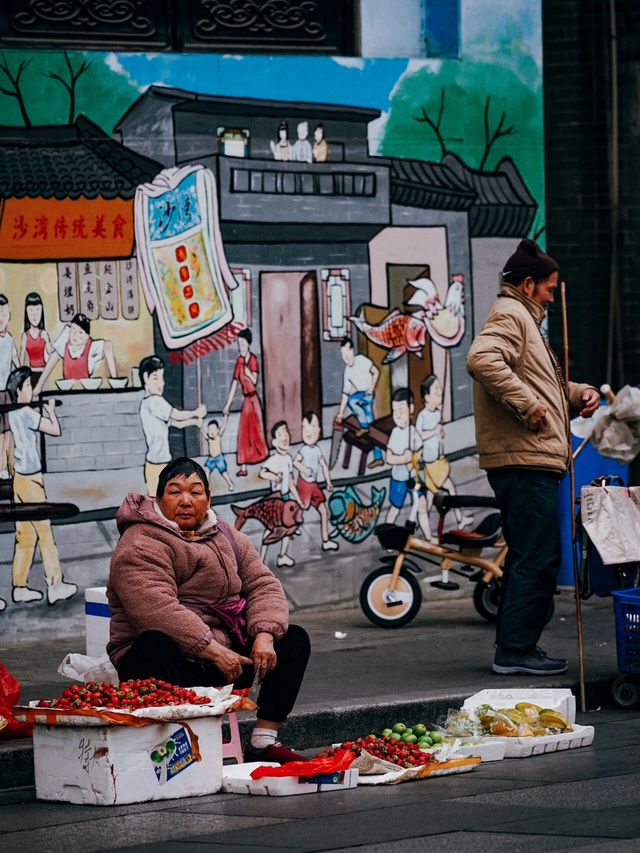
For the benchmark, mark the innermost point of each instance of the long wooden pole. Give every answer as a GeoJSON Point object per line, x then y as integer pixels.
{"type": "Point", "coordinates": [572, 508]}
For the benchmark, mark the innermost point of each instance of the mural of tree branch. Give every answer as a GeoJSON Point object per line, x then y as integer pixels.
{"type": "Point", "coordinates": [434, 125]}
{"type": "Point", "coordinates": [70, 85]}
{"type": "Point", "coordinates": [491, 138]}
{"type": "Point", "coordinates": [14, 80]}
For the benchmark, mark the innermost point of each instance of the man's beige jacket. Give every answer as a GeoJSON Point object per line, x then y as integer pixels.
{"type": "Point", "coordinates": [513, 374]}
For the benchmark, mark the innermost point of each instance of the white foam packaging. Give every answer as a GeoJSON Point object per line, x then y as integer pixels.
{"type": "Point", "coordinates": [560, 699]}
{"type": "Point", "coordinates": [111, 765]}
{"type": "Point", "coordinates": [236, 779]}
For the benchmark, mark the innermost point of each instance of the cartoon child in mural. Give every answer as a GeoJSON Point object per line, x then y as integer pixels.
{"type": "Point", "coordinates": [320, 145]}
{"type": "Point", "coordinates": [302, 150]}
{"type": "Point", "coordinates": [252, 446]}
{"type": "Point", "coordinates": [79, 352]}
{"type": "Point", "coordinates": [28, 487]}
{"type": "Point", "coordinates": [358, 385]}
{"type": "Point", "coordinates": [157, 415]}
{"type": "Point", "coordinates": [436, 465]}
{"type": "Point", "coordinates": [278, 470]}
{"type": "Point", "coordinates": [35, 347]}
{"type": "Point", "coordinates": [215, 461]}
{"type": "Point", "coordinates": [309, 461]}
{"type": "Point", "coordinates": [8, 358]}
{"type": "Point", "coordinates": [402, 448]}
{"type": "Point", "coordinates": [281, 148]}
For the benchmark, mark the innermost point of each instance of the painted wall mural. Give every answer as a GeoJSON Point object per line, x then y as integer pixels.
{"type": "Point", "coordinates": [274, 265]}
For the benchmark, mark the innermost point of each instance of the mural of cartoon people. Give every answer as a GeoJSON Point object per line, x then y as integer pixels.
{"type": "Point", "coordinates": [157, 414]}
{"type": "Point", "coordinates": [404, 442]}
{"type": "Point", "coordinates": [320, 145]}
{"type": "Point", "coordinates": [215, 460]}
{"type": "Point", "coordinates": [358, 385]}
{"type": "Point", "coordinates": [35, 347]}
{"type": "Point", "coordinates": [28, 487]}
{"type": "Point", "coordinates": [8, 358]}
{"type": "Point", "coordinates": [278, 471]}
{"type": "Point", "coordinates": [309, 461]}
{"type": "Point", "coordinates": [437, 476]}
{"type": "Point", "coordinates": [302, 150]}
{"type": "Point", "coordinates": [79, 352]}
{"type": "Point", "coordinates": [252, 446]}
{"type": "Point", "coordinates": [281, 148]}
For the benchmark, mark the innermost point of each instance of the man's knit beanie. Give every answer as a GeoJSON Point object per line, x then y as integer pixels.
{"type": "Point", "coordinates": [528, 259]}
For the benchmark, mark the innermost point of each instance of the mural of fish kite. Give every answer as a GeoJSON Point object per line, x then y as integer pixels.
{"type": "Point", "coordinates": [279, 517]}
{"type": "Point", "coordinates": [352, 518]}
{"type": "Point", "coordinates": [401, 333]}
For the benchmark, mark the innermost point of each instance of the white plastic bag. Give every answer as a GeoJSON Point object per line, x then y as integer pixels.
{"type": "Point", "coordinates": [611, 517]}
{"type": "Point", "coordinates": [83, 668]}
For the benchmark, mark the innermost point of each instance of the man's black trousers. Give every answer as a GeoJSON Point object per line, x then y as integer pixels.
{"type": "Point", "coordinates": [528, 501]}
{"type": "Point", "coordinates": [154, 655]}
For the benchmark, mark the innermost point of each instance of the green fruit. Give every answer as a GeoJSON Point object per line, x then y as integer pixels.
{"type": "Point", "coordinates": [419, 730]}
{"type": "Point", "coordinates": [395, 736]}
{"type": "Point", "coordinates": [436, 737]}
{"type": "Point", "coordinates": [408, 737]}
{"type": "Point", "coordinates": [386, 732]}
{"type": "Point", "coordinates": [399, 728]}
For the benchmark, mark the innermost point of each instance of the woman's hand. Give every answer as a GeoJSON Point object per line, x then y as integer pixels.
{"type": "Point", "coordinates": [229, 663]}
{"type": "Point", "coordinates": [263, 655]}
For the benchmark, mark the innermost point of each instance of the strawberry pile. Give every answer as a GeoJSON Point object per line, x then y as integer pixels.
{"type": "Point", "coordinates": [139, 693]}
{"type": "Point", "coordinates": [402, 754]}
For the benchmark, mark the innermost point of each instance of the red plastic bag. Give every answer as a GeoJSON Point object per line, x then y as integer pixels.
{"type": "Point", "coordinates": [9, 695]}
{"type": "Point", "coordinates": [342, 760]}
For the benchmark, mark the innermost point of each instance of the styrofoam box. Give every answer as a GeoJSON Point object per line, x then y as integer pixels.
{"type": "Point", "coordinates": [109, 765]}
{"type": "Point", "coordinates": [236, 779]}
{"type": "Point", "coordinates": [97, 617]}
{"type": "Point", "coordinates": [561, 699]}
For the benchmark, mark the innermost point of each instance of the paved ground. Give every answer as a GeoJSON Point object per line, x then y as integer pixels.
{"type": "Point", "coordinates": [581, 800]}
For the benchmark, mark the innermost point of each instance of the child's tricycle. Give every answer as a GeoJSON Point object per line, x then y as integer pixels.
{"type": "Point", "coordinates": [391, 596]}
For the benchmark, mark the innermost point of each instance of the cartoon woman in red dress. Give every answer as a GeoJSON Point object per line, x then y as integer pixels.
{"type": "Point", "coordinates": [252, 446]}
{"type": "Point", "coordinates": [36, 346]}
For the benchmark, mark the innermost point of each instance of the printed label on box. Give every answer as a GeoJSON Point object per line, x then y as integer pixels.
{"type": "Point", "coordinates": [173, 756]}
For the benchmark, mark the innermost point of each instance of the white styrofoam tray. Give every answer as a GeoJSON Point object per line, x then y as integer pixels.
{"type": "Point", "coordinates": [559, 698]}
{"type": "Point", "coordinates": [236, 779]}
{"type": "Point", "coordinates": [523, 747]}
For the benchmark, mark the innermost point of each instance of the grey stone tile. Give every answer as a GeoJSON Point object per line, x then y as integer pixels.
{"type": "Point", "coordinates": [584, 763]}
{"type": "Point", "coordinates": [386, 823]}
{"type": "Point", "coordinates": [196, 846]}
{"type": "Point", "coordinates": [119, 831]}
{"type": "Point", "coordinates": [606, 822]}
{"type": "Point", "coordinates": [587, 794]}
{"type": "Point", "coordinates": [482, 842]}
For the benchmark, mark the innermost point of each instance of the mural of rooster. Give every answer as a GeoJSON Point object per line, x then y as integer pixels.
{"type": "Point", "coordinates": [401, 333]}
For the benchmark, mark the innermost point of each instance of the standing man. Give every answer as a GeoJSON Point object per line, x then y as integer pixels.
{"type": "Point", "coordinates": [157, 415]}
{"type": "Point", "coordinates": [521, 408]}
{"type": "Point", "coordinates": [358, 385]}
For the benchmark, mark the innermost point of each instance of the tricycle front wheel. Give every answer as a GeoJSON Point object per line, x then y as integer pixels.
{"type": "Point", "coordinates": [390, 609]}
{"type": "Point", "coordinates": [625, 691]}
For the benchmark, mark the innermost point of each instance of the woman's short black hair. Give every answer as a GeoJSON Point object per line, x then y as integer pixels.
{"type": "Point", "coordinates": [246, 334]}
{"type": "Point", "coordinates": [33, 299]}
{"type": "Point", "coordinates": [181, 467]}
{"type": "Point", "coordinates": [83, 322]}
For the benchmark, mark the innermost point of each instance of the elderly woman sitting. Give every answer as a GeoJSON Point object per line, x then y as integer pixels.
{"type": "Point", "coordinates": [193, 604]}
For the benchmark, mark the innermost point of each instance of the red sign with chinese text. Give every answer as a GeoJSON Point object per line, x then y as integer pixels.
{"type": "Point", "coordinates": [38, 229]}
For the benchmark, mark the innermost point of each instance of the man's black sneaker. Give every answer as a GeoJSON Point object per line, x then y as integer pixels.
{"type": "Point", "coordinates": [532, 662]}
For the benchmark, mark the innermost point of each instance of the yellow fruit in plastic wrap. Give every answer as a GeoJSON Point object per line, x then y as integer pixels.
{"type": "Point", "coordinates": [504, 728]}
{"type": "Point", "coordinates": [551, 718]}
{"type": "Point", "coordinates": [524, 706]}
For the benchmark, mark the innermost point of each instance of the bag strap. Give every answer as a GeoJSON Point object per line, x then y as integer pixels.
{"type": "Point", "coordinates": [228, 535]}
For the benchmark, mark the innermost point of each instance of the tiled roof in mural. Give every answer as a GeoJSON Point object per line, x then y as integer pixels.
{"type": "Point", "coordinates": [69, 162]}
{"type": "Point", "coordinates": [504, 207]}
{"type": "Point", "coordinates": [181, 99]}
{"type": "Point", "coordinates": [418, 183]}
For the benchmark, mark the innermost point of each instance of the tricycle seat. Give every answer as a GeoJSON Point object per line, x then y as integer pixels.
{"type": "Point", "coordinates": [392, 537]}
{"type": "Point", "coordinates": [485, 534]}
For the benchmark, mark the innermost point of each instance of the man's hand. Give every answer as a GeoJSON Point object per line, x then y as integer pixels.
{"type": "Point", "coordinates": [229, 663]}
{"type": "Point", "coordinates": [538, 420]}
{"type": "Point", "coordinates": [263, 654]}
{"type": "Point", "coordinates": [591, 400]}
